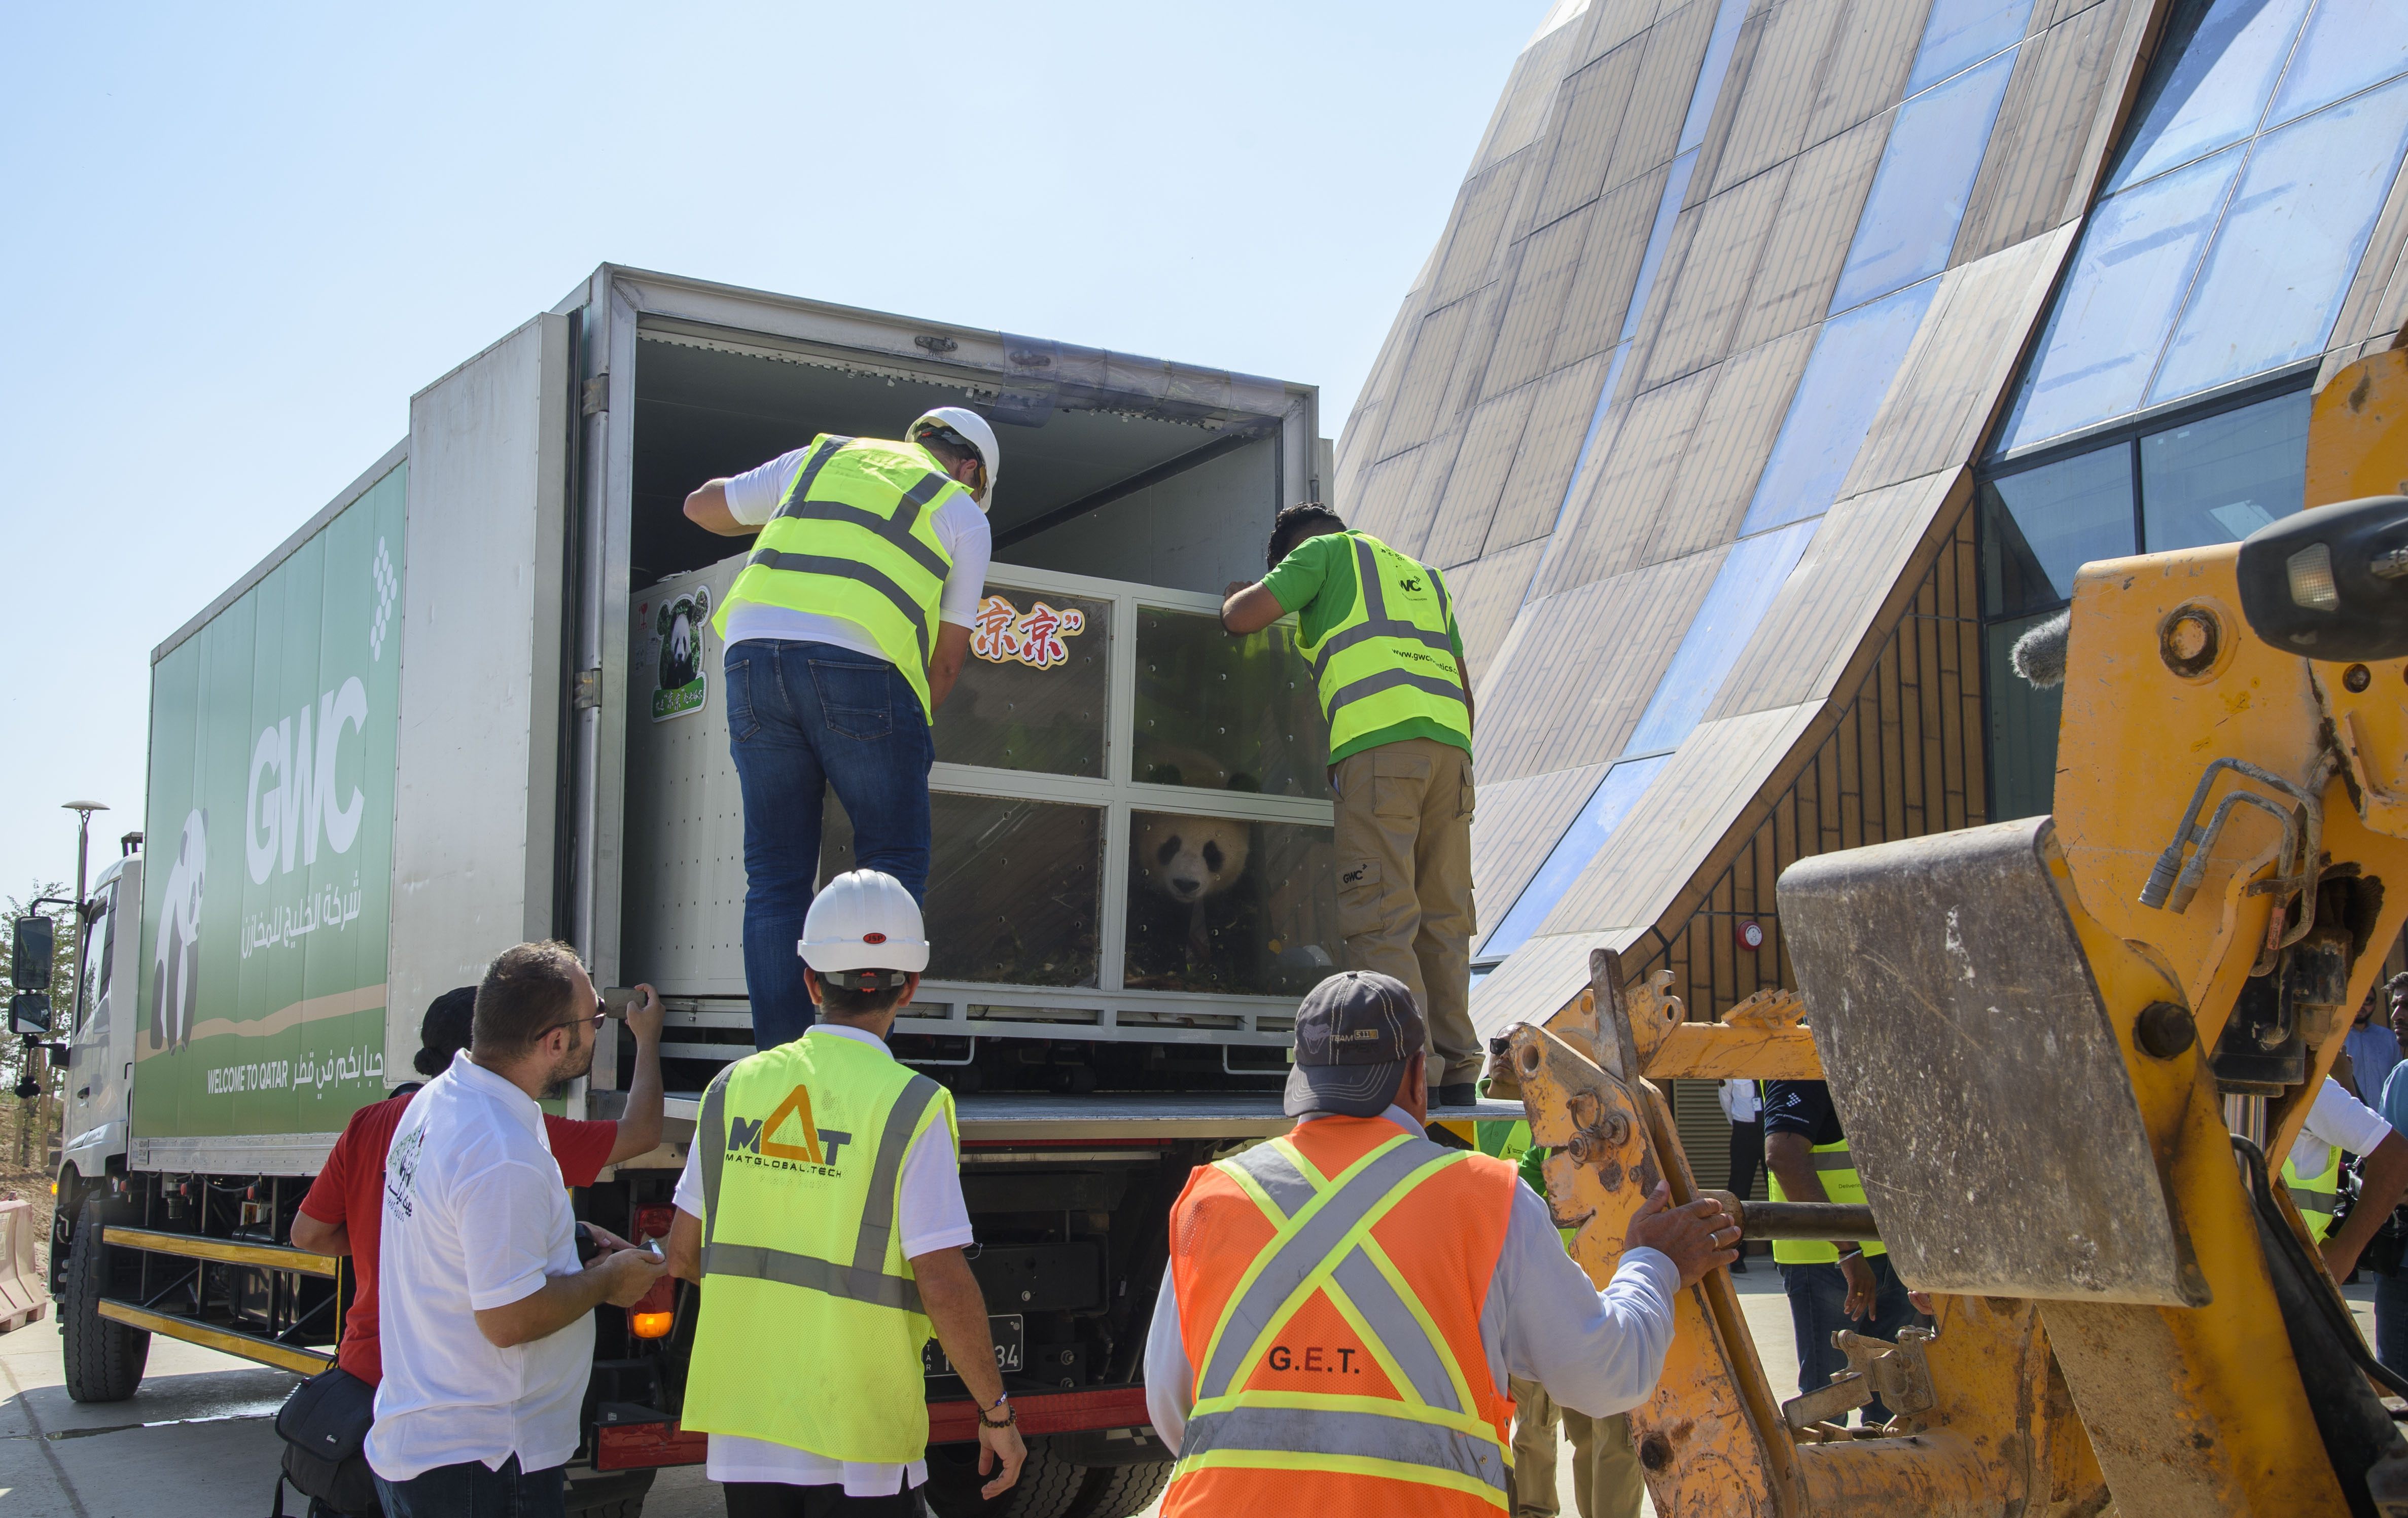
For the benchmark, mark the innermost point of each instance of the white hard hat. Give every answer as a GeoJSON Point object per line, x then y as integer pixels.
{"type": "Point", "coordinates": [862, 921]}
{"type": "Point", "coordinates": [974, 430]}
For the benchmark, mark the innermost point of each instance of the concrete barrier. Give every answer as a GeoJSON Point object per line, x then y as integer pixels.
{"type": "Point", "coordinates": [23, 1298]}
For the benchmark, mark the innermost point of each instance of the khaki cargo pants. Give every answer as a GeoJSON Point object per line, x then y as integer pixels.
{"type": "Point", "coordinates": [1606, 1478]}
{"type": "Point", "coordinates": [1404, 884]}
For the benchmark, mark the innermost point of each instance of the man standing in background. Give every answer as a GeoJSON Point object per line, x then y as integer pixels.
{"type": "Point", "coordinates": [1745, 1108]}
{"type": "Point", "coordinates": [844, 633]}
{"type": "Point", "coordinates": [1379, 631]}
{"type": "Point", "coordinates": [2369, 1048]}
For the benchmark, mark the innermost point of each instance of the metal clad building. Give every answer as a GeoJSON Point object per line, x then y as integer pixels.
{"type": "Point", "coordinates": [1781, 360]}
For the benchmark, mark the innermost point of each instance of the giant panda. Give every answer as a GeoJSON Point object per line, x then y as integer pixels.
{"type": "Point", "coordinates": [1195, 908]}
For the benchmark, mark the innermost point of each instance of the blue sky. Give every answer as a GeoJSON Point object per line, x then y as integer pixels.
{"type": "Point", "coordinates": [237, 239]}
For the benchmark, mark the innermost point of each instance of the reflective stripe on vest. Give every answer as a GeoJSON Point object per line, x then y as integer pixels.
{"type": "Point", "coordinates": [1377, 667]}
{"type": "Point", "coordinates": [1836, 1169]}
{"type": "Point", "coordinates": [863, 1279]}
{"type": "Point", "coordinates": [1435, 1432]}
{"type": "Point", "coordinates": [813, 555]}
{"type": "Point", "coordinates": [2315, 1195]}
{"type": "Point", "coordinates": [801, 1159]}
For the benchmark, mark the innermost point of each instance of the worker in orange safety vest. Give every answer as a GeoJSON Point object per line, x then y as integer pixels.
{"type": "Point", "coordinates": [1344, 1305]}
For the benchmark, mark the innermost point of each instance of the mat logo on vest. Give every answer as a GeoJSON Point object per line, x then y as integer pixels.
{"type": "Point", "coordinates": [766, 1142]}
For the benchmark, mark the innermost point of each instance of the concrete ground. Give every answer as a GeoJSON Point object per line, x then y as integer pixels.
{"type": "Point", "coordinates": [198, 1439]}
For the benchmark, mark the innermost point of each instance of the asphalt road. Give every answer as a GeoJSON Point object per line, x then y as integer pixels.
{"type": "Point", "coordinates": [198, 1439]}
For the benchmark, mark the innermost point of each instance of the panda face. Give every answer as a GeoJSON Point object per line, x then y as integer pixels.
{"type": "Point", "coordinates": [1189, 859]}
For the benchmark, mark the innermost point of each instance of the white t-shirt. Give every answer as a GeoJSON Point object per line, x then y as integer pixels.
{"type": "Point", "coordinates": [1740, 1101]}
{"type": "Point", "coordinates": [2337, 1120]}
{"type": "Point", "coordinates": [752, 499]}
{"type": "Point", "coordinates": [475, 1216]}
{"type": "Point", "coordinates": [931, 1214]}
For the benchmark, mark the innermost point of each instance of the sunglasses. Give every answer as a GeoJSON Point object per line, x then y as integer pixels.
{"type": "Point", "coordinates": [601, 1012]}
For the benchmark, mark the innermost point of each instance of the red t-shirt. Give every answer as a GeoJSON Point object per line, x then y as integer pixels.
{"type": "Point", "coordinates": [349, 1194]}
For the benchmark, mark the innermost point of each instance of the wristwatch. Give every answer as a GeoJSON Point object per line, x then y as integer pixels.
{"type": "Point", "coordinates": [1010, 1415]}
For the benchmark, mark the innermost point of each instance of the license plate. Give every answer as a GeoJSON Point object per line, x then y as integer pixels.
{"type": "Point", "coordinates": [1011, 1335]}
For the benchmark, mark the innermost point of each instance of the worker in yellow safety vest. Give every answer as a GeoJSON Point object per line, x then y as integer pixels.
{"type": "Point", "coordinates": [1379, 630]}
{"type": "Point", "coordinates": [844, 631]}
{"type": "Point", "coordinates": [821, 1209]}
{"type": "Point", "coordinates": [2311, 1173]}
{"type": "Point", "coordinates": [1830, 1286]}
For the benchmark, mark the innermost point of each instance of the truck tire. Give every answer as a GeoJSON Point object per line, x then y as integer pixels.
{"type": "Point", "coordinates": [611, 1494]}
{"type": "Point", "coordinates": [1049, 1486]}
{"type": "Point", "coordinates": [104, 1360]}
{"type": "Point", "coordinates": [1121, 1491]}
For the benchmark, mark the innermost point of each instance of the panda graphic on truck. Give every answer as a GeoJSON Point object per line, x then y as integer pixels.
{"type": "Point", "coordinates": [681, 684]}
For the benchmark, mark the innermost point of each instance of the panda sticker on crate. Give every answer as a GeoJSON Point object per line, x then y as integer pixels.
{"type": "Point", "coordinates": [1195, 905]}
{"type": "Point", "coordinates": [681, 682]}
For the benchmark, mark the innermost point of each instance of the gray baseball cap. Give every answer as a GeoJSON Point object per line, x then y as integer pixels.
{"type": "Point", "coordinates": [1355, 1034]}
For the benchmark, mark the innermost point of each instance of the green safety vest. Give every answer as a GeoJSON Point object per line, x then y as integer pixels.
{"type": "Point", "coordinates": [2315, 1194]}
{"type": "Point", "coordinates": [1837, 1169]}
{"type": "Point", "coordinates": [856, 537]}
{"type": "Point", "coordinates": [1389, 659]}
{"type": "Point", "coordinates": [812, 1325]}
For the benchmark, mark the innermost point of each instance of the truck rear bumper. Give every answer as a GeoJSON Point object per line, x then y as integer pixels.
{"type": "Point", "coordinates": [637, 1439]}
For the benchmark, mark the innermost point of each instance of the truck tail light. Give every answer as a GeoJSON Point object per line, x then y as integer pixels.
{"type": "Point", "coordinates": [655, 1313]}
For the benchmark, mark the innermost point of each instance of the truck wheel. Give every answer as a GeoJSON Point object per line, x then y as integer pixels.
{"type": "Point", "coordinates": [611, 1494]}
{"type": "Point", "coordinates": [104, 1360]}
{"type": "Point", "coordinates": [1121, 1491]}
{"type": "Point", "coordinates": [1049, 1486]}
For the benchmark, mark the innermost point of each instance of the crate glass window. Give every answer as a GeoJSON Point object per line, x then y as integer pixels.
{"type": "Point", "coordinates": [1014, 888]}
{"type": "Point", "coordinates": [1226, 904]}
{"type": "Point", "coordinates": [2225, 58]}
{"type": "Point", "coordinates": [2222, 478]}
{"type": "Point", "coordinates": [1222, 713]}
{"type": "Point", "coordinates": [1032, 694]}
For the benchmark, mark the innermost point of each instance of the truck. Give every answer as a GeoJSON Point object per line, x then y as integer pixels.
{"type": "Point", "coordinates": [475, 700]}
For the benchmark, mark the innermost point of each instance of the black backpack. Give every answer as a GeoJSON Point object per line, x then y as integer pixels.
{"type": "Point", "coordinates": [324, 1424]}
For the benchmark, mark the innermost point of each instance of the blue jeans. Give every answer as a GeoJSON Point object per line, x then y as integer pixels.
{"type": "Point", "coordinates": [2391, 1320]}
{"type": "Point", "coordinates": [802, 717]}
{"type": "Point", "coordinates": [1819, 1299]}
{"type": "Point", "coordinates": [469, 1490]}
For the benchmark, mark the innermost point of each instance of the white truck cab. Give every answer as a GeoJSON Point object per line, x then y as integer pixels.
{"type": "Point", "coordinates": [102, 1024]}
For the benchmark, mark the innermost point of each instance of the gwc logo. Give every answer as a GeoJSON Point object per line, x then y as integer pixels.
{"type": "Point", "coordinates": [770, 1140]}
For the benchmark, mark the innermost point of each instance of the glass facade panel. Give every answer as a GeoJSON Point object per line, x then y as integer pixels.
{"type": "Point", "coordinates": [1222, 713]}
{"type": "Point", "coordinates": [2023, 727]}
{"type": "Point", "coordinates": [1245, 908]}
{"type": "Point", "coordinates": [2129, 274]}
{"type": "Point", "coordinates": [2220, 479]}
{"type": "Point", "coordinates": [1711, 74]}
{"type": "Point", "coordinates": [1742, 591]}
{"type": "Point", "coordinates": [1927, 171]}
{"type": "Point", "coordinates": [1014, 887]}
{"type": "Point", "coordinates": [2227, 55]}
{"type": "Point", "coordinates": [2349, 44]}
{"type": "Point", "coordinates": [1854, 359]}
{"type": "Point", "coordinates": [1612, 801]}
{"type": "Point", "coordinates": [2297, 225]}
{"type": "Point", "coordinates": [1962, 33]}
{"type": "Point", "coordinates": [1676, 187]}
{"type": "Point", "coordinates": [1032, 694]}
{"type": "Point", "coordinates": [2039, 526]}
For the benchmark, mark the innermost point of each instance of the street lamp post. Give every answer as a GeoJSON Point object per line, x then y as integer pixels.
{"type": "Point", "coordinates": [83, 811]}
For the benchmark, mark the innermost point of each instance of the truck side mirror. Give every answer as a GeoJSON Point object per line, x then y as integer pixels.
{"type": "Point", "coordinates": [29, 1013]}
{"type": "Point", "coordinates": [2330, 583]}
{"type": "Point", "coordinates": [31, 955]}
